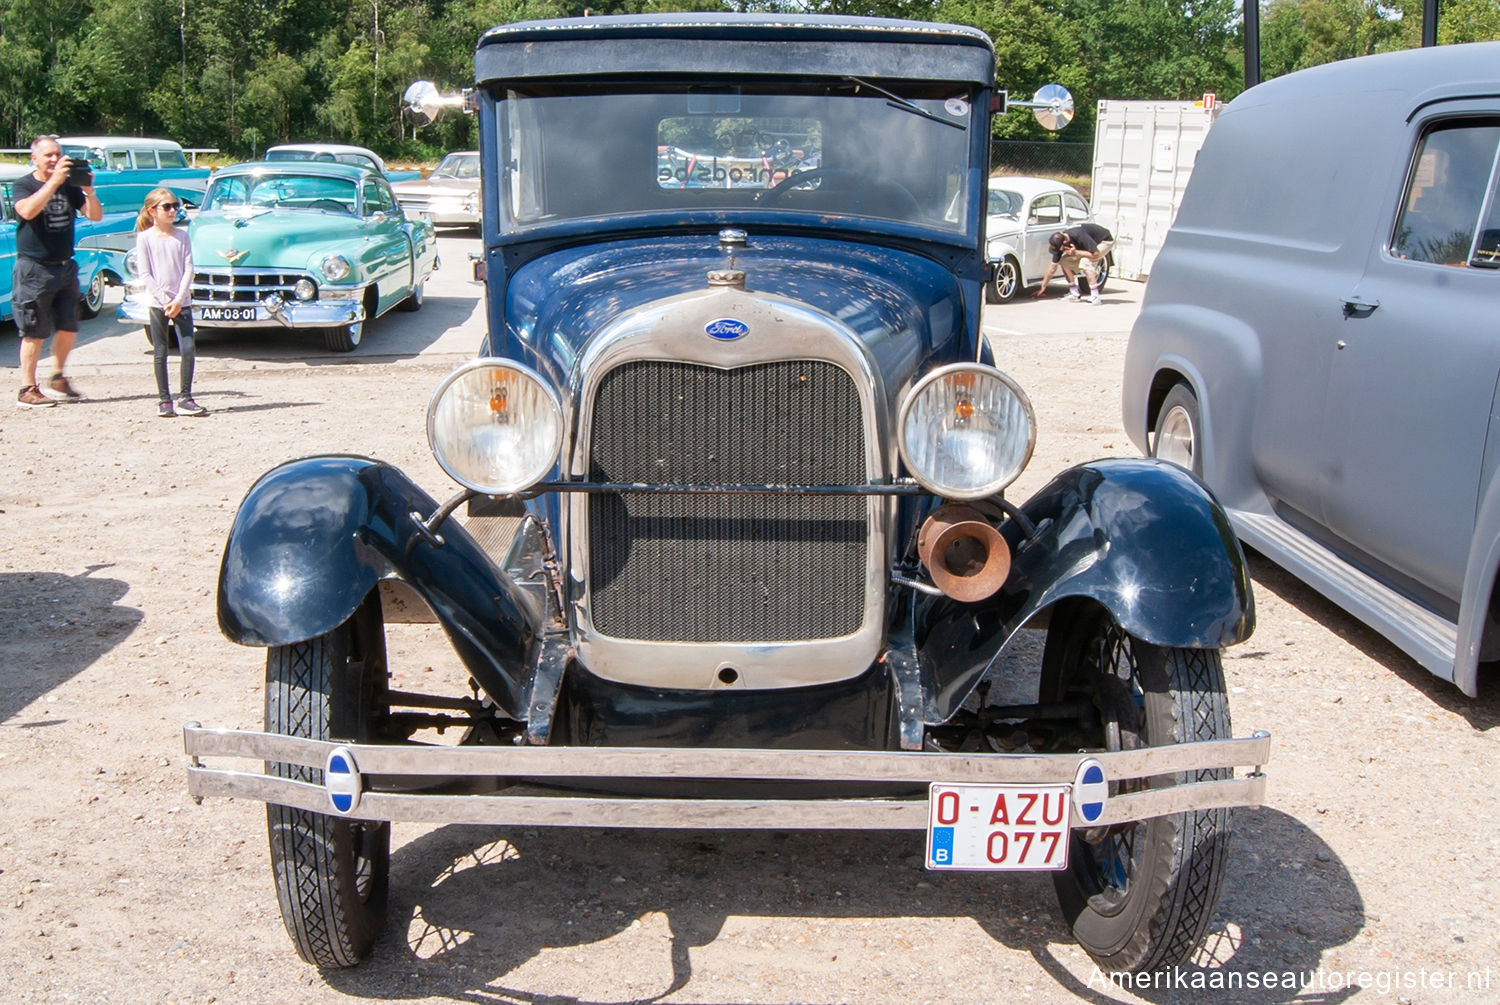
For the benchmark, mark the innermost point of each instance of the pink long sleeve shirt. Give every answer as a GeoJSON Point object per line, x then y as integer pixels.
{"type": "Point", "coordinates": [166, 263]}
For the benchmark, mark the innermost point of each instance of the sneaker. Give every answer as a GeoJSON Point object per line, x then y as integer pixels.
{"type": "Point", "coordinates": [32, 397]}
{"type": "Point", "coordinates": [59, 388]}
{"type": "Point", "coordinates": [1072, 297]}
{"type": "Point", "coordinates": [187, 406]}
{"type": "Point", "coordinates": [1095, 299]}
{"type": "Point", "coordinates": [164, 410]}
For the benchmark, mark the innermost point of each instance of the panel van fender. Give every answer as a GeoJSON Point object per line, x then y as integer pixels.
{"type": "Point", "coordinates": [1143, 538]}
{"type": "Point", "coordinates": [1226, 378]}
{"type": "Point", "coordinates": [314, 536]}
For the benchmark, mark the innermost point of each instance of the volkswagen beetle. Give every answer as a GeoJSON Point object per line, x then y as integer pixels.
{"type": "Point", "coordinates": [731, 546]}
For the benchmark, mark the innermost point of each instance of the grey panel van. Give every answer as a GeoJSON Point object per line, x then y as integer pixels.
{"type": "Point", "coordinates": [1318, 340]}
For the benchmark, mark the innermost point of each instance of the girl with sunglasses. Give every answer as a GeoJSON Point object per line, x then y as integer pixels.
{"type": "Point", "coordinates": [165, 262]}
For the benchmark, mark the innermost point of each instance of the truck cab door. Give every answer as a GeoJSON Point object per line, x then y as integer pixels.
{"type": "Point", "coordinates": [1412, 383]}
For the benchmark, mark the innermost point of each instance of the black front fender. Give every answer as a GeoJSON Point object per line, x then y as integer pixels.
{"type": "Point", "coordinates": [1143, 538]}
{"type": "Point", "coordinates": [314, 536]}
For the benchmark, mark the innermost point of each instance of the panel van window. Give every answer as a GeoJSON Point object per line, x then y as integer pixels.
{"type": "Point", "coordinates": [1454, 170]}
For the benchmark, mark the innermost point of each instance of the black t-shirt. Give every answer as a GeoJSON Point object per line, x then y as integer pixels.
{"type": "Point", "coordinates": [1086, 236]}
{"type": "Point", "coordinates": [48, 236]}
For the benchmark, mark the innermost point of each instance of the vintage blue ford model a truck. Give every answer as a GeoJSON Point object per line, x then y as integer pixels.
{"type": "Point", "coordinates": [731, 547]}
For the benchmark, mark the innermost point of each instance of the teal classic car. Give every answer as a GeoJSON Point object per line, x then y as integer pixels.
{"type": "Point", "coordinates": [312, 246]}
{"type": "Point", "coordinates": [127, 167]}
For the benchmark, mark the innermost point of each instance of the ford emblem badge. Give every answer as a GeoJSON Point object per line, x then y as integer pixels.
{"type": "Point", "coordinates": [727, 329]}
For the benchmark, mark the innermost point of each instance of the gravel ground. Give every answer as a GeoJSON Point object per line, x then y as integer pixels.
{"type": "Point", "coordinates": [1364, 867]}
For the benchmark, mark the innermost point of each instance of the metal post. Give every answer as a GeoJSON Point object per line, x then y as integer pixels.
{"type": "Point", "coordinates": [1252, 42]}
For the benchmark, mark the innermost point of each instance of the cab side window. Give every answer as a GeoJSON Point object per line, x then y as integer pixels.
{"type": "Point", "coordinates": [1451, 183]}
{"type": "Point", "coordinates": [1076, 211]}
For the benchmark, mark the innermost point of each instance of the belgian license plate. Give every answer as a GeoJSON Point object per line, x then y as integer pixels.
{"type": "Point", "coordinates": [998, 826]}
{"type": "Point", "coordinates": [226, 313]}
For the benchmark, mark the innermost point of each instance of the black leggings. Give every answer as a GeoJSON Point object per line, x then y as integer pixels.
{"type": "Point", "coordinates": [185, 345]}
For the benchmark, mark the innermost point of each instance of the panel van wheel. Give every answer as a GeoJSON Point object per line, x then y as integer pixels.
{"type": "Point", "coordinates": [1139, 896]}
{"type": "Point", "coordinates": [343, 338]}
{"type": "Point", "coordinates": [331, 873]}
{"type": "Point", "coordinates": [413, 302]}
{"type": "Point", "coordinates": [93, 298]}
{"type": "Point", "coordinates": [1006, 282]}
{"type": "Point", "coordinates": [1179, 436]}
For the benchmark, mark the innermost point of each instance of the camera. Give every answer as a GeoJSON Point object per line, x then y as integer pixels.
{"type": "Point", "coordinates": [80, 173]}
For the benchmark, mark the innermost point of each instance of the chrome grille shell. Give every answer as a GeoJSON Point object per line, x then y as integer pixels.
{"type": "Point", "coordinates": [672, 333]}
{"type": "Point", "coordinates": [243, 285]}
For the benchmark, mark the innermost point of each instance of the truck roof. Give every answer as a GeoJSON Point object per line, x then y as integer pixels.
{"type": "Point", "coordinates": [716, 45]}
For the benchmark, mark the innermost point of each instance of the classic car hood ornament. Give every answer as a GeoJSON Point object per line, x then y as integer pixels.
{"type": "Point", "coordinates": [231, 256]}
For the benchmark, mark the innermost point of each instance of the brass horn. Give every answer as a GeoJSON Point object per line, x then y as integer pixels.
{"type": "Point", "coordinates": [964, 554]}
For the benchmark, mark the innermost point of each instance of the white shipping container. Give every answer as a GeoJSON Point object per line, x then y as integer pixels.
{"type": "Point", "coordinates": [1143, 154]}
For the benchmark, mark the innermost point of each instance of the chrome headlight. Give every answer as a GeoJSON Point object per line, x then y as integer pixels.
{"type": "Point", "coordinates": [966, 431]}
{"type": "Point", "coordinates": [305, 289]}
{"type": "Point", "coordinates": [495, 426]}
{"type": "Point", "coordinates": [336, 267]}
{"type": "Point", "coordinates": [132, 263]}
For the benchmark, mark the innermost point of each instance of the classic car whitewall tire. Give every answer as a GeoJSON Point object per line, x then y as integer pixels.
{"type": "Point", "coordinates": [1177, 436]}
{"type": "Point", "coordinates": [344, 338]}
{"type": "Point", "coordinates": [331, 874]}
{"type": "Point", "coordinates": [1005, 283]}
{"type": "Point", "coordinates": [1140, 896]}
{"type": "Point", "coordinates": [92, 301]}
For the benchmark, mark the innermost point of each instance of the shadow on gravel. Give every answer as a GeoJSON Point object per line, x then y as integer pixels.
{"type": "Point", "coordinates": [466, 901]}
{"type": "Point", "coordinates": [467, 906]}
{"type": "Point", "coordinates": [73, 619]}
{"type": "Point", "coordinates": [1287, 900]}
{"type": "Point", "coordinates": [1481, 713]}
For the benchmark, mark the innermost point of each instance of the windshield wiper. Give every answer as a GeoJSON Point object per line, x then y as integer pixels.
{"type": "Point", "coordinates": [895, 100]}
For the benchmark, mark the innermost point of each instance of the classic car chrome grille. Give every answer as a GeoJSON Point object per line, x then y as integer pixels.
{"type": "Point", "coordinates": [242, 286]}
{"type": "Point", "coordinates": [713, 567]}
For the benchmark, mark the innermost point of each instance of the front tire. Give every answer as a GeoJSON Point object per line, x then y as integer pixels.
{"type": "Point", "coordinates": [1140, 896]}
{"type": "Point", "coordinates": [332, 874]}
{"type": "Point", "coordinates": [1178, 437]}
{"type": "Point", "coordinates": [344, 338]}
{"type": "Point", "coordinates": [1006, 282]}
{"type": "Point", "coordinates": [92, 301]}
{"type": "Point", "coordinates": [413, 302]}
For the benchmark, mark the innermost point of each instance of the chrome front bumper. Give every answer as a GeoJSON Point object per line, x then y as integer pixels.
{"type": "Point", "coordinates": [348, 793]}
{"type": "Point", "coordinates": [269, 313]}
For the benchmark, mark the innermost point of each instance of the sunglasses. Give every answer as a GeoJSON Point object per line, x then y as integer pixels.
{"type": "Point", "coordinates": [173, 206]}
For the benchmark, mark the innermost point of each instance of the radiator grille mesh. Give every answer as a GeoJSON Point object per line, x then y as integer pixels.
{"type": "Point", "coordinates": [727, 568]}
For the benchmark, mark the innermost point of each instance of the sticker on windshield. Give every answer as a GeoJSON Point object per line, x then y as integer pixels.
{"type": "Point", "coordinates": [956, 106]}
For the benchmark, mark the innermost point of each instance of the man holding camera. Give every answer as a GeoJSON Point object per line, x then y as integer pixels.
{"type": "Point", "coordinates": [44, 292]}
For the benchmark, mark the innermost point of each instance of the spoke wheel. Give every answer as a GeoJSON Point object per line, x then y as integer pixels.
{"type": "Point", "coordinates": [1140, 896]}
{"type": "Point", "coordinates": [1006, 282]}
{"type": "Point", "coordinates": [331, 873]}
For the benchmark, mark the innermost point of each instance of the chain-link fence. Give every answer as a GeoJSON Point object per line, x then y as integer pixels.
{"type": "Point", "coordinates": [1068, 161]}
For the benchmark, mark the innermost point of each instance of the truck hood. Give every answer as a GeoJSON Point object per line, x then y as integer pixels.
{"type": "Point", "coordinates": [900, 305]}
{"type": "Point", "coordinates": [277, 238]}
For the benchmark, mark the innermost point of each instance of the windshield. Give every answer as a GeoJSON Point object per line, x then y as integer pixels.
{"type": "Point", "coordinates": [458, 166]}
{"type": "Point", "coordinates": [1004, 202]}
{"type": "Point", "coordinates": [821, 148]}
{"type": "Point", "coordinates": [282, 191]}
